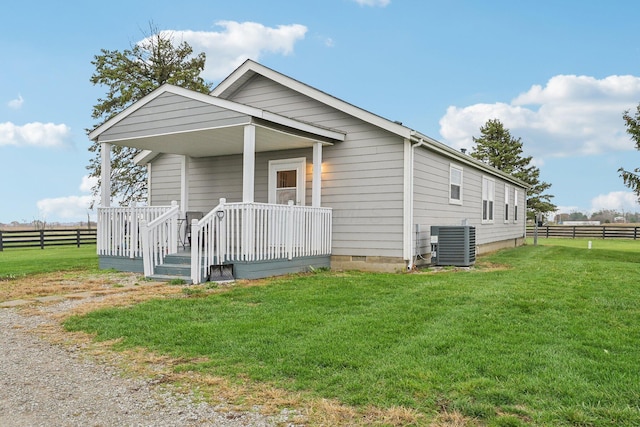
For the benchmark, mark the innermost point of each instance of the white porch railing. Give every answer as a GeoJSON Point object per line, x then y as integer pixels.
{"type": "Point", "coordinates": [230, 232]}
{"type": "Point", "coordinates": [118, 229]}
{"type": "Point", "coordinates": [258, 232]}
{"type": "Point", "coordinates": [159, 238]}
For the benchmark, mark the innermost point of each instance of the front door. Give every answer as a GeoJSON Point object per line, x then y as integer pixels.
{"type": "Point", "coordinates": [287, 181]}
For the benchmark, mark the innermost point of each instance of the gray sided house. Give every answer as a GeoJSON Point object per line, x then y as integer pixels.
{"type": "Point", "coordinates": [267, 175]}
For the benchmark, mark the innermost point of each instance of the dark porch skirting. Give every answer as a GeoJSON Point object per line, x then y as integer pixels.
{"type": "Point", "coordinates": [279, 267]}
{"type": "Point", "coordinates": [241, 269]}
{"type": "Point", "coordinates": [120, 263]}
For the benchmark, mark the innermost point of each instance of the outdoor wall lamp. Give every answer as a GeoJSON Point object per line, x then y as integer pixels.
{"type": "Point", "coordinates": [220, 214]}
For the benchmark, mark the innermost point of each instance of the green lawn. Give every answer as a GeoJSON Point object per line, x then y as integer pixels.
{"type": "Point", "coordinates": [21, 262]}
{"type": "Point", "coordinates": [552, 340]}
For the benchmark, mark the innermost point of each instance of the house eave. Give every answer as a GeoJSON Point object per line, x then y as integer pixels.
{"type": "Point", "coordinates": [322, 132]}
{"type": "Point", "coordinates": [249, 68]}
{"type": "Point", "coordinates": [441, 148]}
{"type": "Point", "coordinates": [144, 157]}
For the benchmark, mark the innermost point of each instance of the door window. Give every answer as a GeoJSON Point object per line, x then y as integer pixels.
{"type": "Point", "coordinates": [287, 181]}
{"type": "Point", "coordinates": [286, 186]}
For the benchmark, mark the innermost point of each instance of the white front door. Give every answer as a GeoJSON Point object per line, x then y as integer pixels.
{"type": "Point", "coordinates": [287, 181]}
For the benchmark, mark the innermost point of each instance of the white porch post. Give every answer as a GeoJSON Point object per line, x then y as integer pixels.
{"type": "Point", "coordinates": [105, 175]}
{"type": "Point", "coordinates": [248, 163]}
{"type": "Point", "coordinates": [184, 184]}
{"type": "Point", "coordinates": [316, 184]}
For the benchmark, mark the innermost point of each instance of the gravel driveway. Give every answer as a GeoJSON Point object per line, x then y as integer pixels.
{"type": "Point", "coordinates": [44, 384]}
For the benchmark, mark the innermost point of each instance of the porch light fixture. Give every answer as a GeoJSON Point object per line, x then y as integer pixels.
{"type": "Point", "coordinates": [220, 214]}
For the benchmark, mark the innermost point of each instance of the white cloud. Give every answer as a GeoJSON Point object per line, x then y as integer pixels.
{"type": "Point", "coordinates": [35, 134]}
{"type": "Point", "coordinates": [16, 104]}
{"type": "Point", "coordinates": [68, 208]}
{"type": "Point", "coordinates": [373, 3]}
{"type": "Point", "coordinates": [619, 201]}
{"type": "Point", "coordinates": [237, 42]}
{"type": "Point", "coordinates": [569, 116]}
{"type": "Point", "coordinates": [88, 182]}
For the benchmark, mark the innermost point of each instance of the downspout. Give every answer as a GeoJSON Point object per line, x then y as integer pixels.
{"type": "Point", "coordinates": [409, 228]}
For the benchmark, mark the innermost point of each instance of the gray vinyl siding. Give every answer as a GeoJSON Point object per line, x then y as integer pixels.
{"type": "Point", "coordinates": [362, 177]}
{"type": "Point", "coordinates": [432, 207]}
{"type": "Point", "coordinates": [165, 180]}
{"type": "Point", "coordinates": [170, 113]}
{"type": "Point", "coordinates": [213, 178]}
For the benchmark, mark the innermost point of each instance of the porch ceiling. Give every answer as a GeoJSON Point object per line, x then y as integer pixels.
{"type": "Point", "coordinates": [222, 141]}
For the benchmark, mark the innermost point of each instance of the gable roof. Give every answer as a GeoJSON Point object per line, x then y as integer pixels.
{"type": "Point", "coordinates": [329, 134]}
{"type": "Point", "coordinates": [250, 68]}
{"type": "Point", "coordinates": [241, 75]}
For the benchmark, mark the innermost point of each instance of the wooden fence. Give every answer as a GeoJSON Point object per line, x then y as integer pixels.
{"type": "Point", "coordinates": [11, 239]}
{"type": "Point", "coordinates": [587, 231]}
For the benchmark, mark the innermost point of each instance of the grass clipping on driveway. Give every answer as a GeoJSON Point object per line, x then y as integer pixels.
{"type": "Point", "coordinates": [552, 340]}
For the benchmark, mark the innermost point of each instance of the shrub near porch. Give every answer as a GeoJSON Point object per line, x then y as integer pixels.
{"type": "Point", "coordinates": [551, 340]}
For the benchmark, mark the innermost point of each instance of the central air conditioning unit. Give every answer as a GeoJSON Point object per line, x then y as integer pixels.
{"type": "Point", "coordinates": [453, 245]}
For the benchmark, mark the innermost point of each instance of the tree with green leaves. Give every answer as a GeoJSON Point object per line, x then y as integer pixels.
{"type": "Point", "coordinates": [129, 75]}
{"type": "Point", "coordinates": [499, 149]}
{"type": "Point", "coordinates": [632, 178]}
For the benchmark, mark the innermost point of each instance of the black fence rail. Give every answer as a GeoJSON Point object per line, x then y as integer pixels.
{"type": "Point", "coordinates": [586, 231]}
{"type": "Point", "coordinates": [42, 238]}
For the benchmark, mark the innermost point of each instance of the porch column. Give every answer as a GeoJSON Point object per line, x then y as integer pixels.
{"type": "Point", "coordinates": [316, 184]}
{"type": "Point", "coordinates": [105, 175]}
{"type": "Point", "coordinates": [248, 163]}
{"type": "Point", "coordinates": [184, 184]}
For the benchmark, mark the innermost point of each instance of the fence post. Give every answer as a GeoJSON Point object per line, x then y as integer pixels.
{"type": "Point", "coordinates": [1, 249]}
{"type": "Point", "coordinates": [173, 230]}
{"type": "Point", "coordinates": [41, 239]}
{"type": "Point", "coordinates": [574, 232]}
{"type": "Point", "coordinates": [78, 237]}
{"type": "Point", "coordinates": [604, 228]}
{"type": "Point", "coordinates": [290, 230]}
{"type": "Point", "coordinates": [635, 235]}
{"type": "Point", "coordinates": [196, 252]}
{"type": "Point", "coordinates": [133, 231]}
{"type": "Point", "coordinates": [222, 235]}
{"type": "Point", "coordinates": [147, 262]}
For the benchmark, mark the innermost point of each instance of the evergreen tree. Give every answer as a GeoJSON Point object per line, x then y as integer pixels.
{"type": "Point", "coordinates": [632, 178]}
{"type": "Point", "coordinates": [496, 147]}
{"type": "Point", "coordinates": [129, 75]}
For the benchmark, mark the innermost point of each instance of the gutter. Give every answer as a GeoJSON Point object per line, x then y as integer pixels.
{"type": "Point", "coordinates": [409, 194]}
{"type": "Point", "coordinates": [445, 150]}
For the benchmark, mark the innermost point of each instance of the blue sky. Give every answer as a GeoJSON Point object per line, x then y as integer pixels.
{"type": "Point", "coordinates": [557, 74]}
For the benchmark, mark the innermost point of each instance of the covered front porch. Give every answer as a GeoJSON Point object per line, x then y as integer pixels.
{"type": "Point", "coordinates": [275, 231]}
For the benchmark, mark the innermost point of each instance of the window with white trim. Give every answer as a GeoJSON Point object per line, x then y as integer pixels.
{"type": "Point", "coordinates": [506, 202]}
{"type": "Point", "coordinates": [455, 184]}
{"type": "Point", "coordinates": [515, 205]}
{"type": "Point", "coordinates": [488, 196]}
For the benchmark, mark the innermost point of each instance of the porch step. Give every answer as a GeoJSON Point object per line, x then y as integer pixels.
{"type": "Point", "coordinates": [169, 277]}
{"type": "Point", "coordinates": [178, 267]}
{"type": "Point", "coordinates": [170, 269]}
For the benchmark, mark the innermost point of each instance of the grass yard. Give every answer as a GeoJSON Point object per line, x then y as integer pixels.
{"type": "Point", "coordinates": [538, 335]}
{"type": "Point", "coordinates": [21, 262]}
